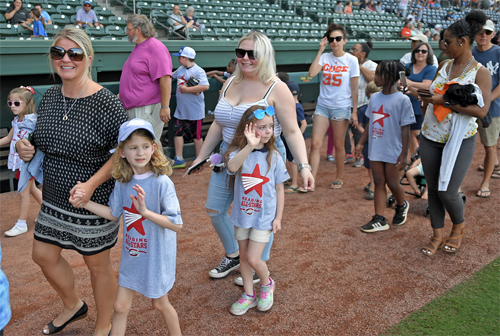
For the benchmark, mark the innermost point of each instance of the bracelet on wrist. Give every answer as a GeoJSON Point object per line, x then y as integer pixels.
{"type": "Point", "coordinates": [165, 107]}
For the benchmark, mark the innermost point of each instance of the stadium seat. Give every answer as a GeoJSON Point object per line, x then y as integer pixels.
{"type": "Point", "coordinates": [103, 11]}
{"type": "Point", "coordinates": [286, 25]}
{"type": "Point", "coordinates": [2, 18]}
{"type": "Point", "coordinates": [241, 23]}
{"type": "Point", "coordinates": [293, 33]}
{"type": "Point", "coordinates": [228, 24]}
{"type": "Point", "coordinates": [115, 31]}
{"type": "Point", "coordinates": [271, 33]}
{"type": "Point", "coordinates": [235, 32]}
{"type": "Point", "coordinates": [95, 32]}
{"type": "Point", "coordinates": [52, 29]}
{"type": "Point", "coordinates": [221, 32]}
{"type": "Point", "coordinates": [283, 33]}
{"type": "Point", "coordinates": [216, 23]}
{"type": "Point", "coordinates": [245, 31]}
{"type": "Point", "coordinates": [61, 19]}
{"type": "Point", "coordinates": [118, 21]}
{"type": "Point", "coordinates": [8, 30]}
{"type": "Point", "coordinates": [236, 16]}
{"type": "Point", "coordinates": [142, 8]}
{"type": "Point", "coordinates": [275, 25]}
{"type": "Point", "coordinates": [66, 10]}
{"type": "Point", "coordinates": [253, 24]}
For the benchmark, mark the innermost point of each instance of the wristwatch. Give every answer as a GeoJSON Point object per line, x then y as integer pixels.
{"type": "Point", "coordinates": [447, 104]}
{"type": "Point", "coordinates": [304, 165]}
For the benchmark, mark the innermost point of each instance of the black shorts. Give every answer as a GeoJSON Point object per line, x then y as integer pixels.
{"type": "Point", "coordinates": [419, 119]}
{"type": "Point", "coordinates": [189, 129]}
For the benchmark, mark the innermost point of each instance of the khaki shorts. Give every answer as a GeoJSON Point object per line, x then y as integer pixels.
{"type": "Point", "coordinates": [489, 135]}
{"type": "Point", "coordinates": [150, 113]}
{"type": "Point", "coordinates": [259, 236]}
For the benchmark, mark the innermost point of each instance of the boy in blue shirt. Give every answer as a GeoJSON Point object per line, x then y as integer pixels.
{"type": "Point", "coordinates": [190, 109]}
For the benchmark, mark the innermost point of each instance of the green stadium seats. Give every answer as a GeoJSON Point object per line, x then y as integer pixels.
{"type": "Point", "coordinates": [216, 23]}
{"type": "Point", "coordinates": [60, 19]}
{"type": "Point", "coordinates": [263, 25]}
{"type": "Point", "coordinates": [209, 38]}
{"type": "Point", "coordinates": [103, 11]}
{"type": "Point", "coordinates": [236, 16]}
{"type": "Point", "coordinates": [95, 32]}
{"type": "Point", "coordinates": [115, 31]}
{"type": "Point", "coordinates": [195, 34]}
{"type": "Point", "coordinates": [305, 33]}
{"type": "Point", "coordinates": [258, 17]}
{"type": "Point", "coordinates": [228, 23]}
{"type": "Point", "coordinates": [8, 30]}
{"type": "Point", "coordinates": [72, 19]}
{"type": "Point", "coordinates": [247, 16]}
{"type": "Point", "coordinates": [245, 31]}
{"type": "Point", "coordinates": [286, 25]}
{"type": "Point", "coordinates": [279, 39]}
{"type": "Point", "coordinates": [52, 29]}
{"type": "Point", "coordinates": [271, 33]}
{"type": "Point", "coordinates": [66, 10]}
{"type": "Point", "coordinates": [288, 18]}
{"type": "Point", "coordinates": [241, 23]}
{"type": "Point", "coordinates": [283, 32]}
{"type": "Point", "coordinates": [316, 34]}
{"type": "Point", "coordinates": [118, 21]}
{"type": "Point", "coordinates": [253, 24]}
{"type": "Point", "coordinates": [102, 20]}
{"type": "Point", "coordinates": [275, 25]}
{"type": "Point", "coordinates": [2, 18]}
{"type": "Point", "coordinates": [235, 32]}
{"type": "Point", "coordinates": [293, 33]}
{"type": "Point", "coordinates": [74, 3]}
{"type": "Point", "coordinates": [221, 32]}
{"type": "Point", "coordinates": [142, 8]}
{"type": "Point", "coordinates": [296, 25]}
{"type": "Point", "coordinates": [224, 16]}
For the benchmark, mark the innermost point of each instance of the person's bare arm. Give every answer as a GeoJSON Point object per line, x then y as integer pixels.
{"type": "Point", "coordinates": [194, 89]}
{"type": "Point", "coordinates": [8, 138]}
{"type": "Point", "coordinates": [95, 181]}
{"type": "Point", "coordinates": [315, 67]}
{"type": "Point", "coordinates": [166, 91]}
{"type": "Point", "coordinates": [303, 126]}
{"type": "Point", "coordinates": [368, 74]}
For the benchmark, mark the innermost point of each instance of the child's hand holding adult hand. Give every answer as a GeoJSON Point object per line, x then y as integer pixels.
{"type": "Point", "coordinates": [140, 200]}
{"type": "Point", "coordinates": [253, 139]}
{"type": "Point", "coordinates": [88, 191]}
{"type": "Point", "coordinates": [276, 225]}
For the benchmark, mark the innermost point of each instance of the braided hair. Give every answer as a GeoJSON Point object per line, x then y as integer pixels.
{"type": "Point", "coordinates": [389, 71]}
{"type": "Point", "coordinates": [469, 27]}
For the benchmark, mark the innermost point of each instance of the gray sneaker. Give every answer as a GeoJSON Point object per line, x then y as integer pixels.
{"type": "Point", "coordinates": [358, 162]}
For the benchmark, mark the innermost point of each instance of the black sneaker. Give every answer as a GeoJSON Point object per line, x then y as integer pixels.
{"type": "Point", "coordinates": [401, 213]}
{"type": "Point", "coordinates": [226, 265]}
{"type": "Point", "coordinates": [377, 223]}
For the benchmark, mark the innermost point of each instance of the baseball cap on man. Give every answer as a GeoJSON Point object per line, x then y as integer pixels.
{"type": "Point", "coordinates": [186, 52]}
{"type": "Point", "coordinates": [87, 3]}
{"type": "Point", "coordinates": [489, 25]}
{"type": "Point", "coordinates": [294, 87]}
{"type": "Point", "coordinates": [419, 37]}
{"type": "Point", "coordinates": [130, 126]}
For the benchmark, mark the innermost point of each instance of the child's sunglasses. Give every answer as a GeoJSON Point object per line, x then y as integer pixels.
{"type": "Point", "coordinates": [240, 53]}
{"type": "Point", "coordinates": [335, 38]}
{"type": "Point", "coordinates": [74, 54]}
{"type": "Point", "coordinates": [260, 114]}
{"type": "Point", "coordinates": [14, 102]}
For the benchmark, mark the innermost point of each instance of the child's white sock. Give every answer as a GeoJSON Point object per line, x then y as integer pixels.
{"type": "Point", "coordinates": [21, 223]}
{"type": "Point", "coordinates": [179, 158]}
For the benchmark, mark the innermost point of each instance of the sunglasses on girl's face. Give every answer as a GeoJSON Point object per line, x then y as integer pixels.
{"type": "Point", "coordinates": [335, 38]}
{"type": "Point", "coordinates": [260, 114]}
{"type": "Point", "coordinates": [240, 53]}
{"type": "Point", "coordinates": [14, 102]}
{"type": "Point", "coordinates": [423, 51]}
{"type": "Point", "coordinates": [74, 54]}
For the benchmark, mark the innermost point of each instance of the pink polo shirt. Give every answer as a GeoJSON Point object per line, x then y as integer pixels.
{"type": "Point", "coordinates": [141, 73]}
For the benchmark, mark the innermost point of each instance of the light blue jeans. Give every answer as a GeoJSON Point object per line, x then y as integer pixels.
{"type": "Point", "coordinates": [220, 198]}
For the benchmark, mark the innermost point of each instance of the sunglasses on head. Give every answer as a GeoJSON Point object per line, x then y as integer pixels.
{"type": "Point", "coordinates": [240, 53]}
{"type": "Point", "coordinates": [335, 38]}
{"type": "Point", "coordinates": [423, 51]}
{"type": "Point", "coordinates": [14, 102]}
{"type": "Point", "coordinates": [260, 113]}
{"type": "Point", "coordinates": [74, 54]}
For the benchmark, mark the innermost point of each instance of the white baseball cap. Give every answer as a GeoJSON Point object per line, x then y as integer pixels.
{"type": "Point", "coordinates": [186, 52]}
{"type": "Point", "coordinates": [489, 25]}
{"type": "Point", "coordinates": [419, 37]}
{"type": "Point", "coordinates": [132, 125]}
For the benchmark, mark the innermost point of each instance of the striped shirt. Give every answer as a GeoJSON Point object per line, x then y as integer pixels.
{"type": "Point", "coordinates": [229, 116]}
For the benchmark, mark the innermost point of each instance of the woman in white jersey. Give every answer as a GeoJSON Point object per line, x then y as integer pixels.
{"type": "Point", "coordinates": [338, 93]}
{"type": "Point", "coordinates": [254, 83]}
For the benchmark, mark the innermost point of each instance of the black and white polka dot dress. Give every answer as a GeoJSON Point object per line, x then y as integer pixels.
{"type": "Point", "coordinates": [75, 149]}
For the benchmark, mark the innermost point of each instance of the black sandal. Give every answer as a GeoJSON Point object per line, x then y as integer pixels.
{"type": "Point", "coordinates": [79, 315]}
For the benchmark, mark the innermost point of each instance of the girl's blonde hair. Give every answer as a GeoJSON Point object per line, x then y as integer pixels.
{"type": "Point", "coordinates": [264, 53]}
{"type": "Point", "coordinates": [37, 13]}
{"type": "Point", "coordinates": [371, 88]}
{"type": "Point", "coordinates": [27, 97]}
{"type": "Point", "coordinates": [81, 38]}
{"type": "Point", "coordinates": [240, 141]}
{"type": "Point", "coordinates": [122, 171]}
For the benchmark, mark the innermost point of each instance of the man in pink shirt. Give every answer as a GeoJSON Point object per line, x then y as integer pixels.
{"type": "Point", "coordinates": [145, 83]}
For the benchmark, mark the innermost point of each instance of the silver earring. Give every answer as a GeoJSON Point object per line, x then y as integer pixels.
{"type": "Point", "coordinates": [461, 44]}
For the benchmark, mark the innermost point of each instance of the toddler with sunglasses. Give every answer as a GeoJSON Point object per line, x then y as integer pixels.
{"type": "Point", "coordinates": [21, 103]}
{"type": "Point", "coordinates": [258, 172]}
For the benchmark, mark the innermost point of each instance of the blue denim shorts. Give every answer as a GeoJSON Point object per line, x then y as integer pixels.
{"type": "Point", "coordinates": [333, 113]}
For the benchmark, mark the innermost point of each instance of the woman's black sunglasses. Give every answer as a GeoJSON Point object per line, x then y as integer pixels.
{"type": "Point", "coordinates": [335, 38]}
{"type": "Point", "coordinates": [423, 51]}
{"type": "Point", "coordinates": [240, 53]}
{"type": "Point", "coordinates": [74, 54]}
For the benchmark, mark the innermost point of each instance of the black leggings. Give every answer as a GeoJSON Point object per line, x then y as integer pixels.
{"type": "Point", "coordinates": [449, 201]}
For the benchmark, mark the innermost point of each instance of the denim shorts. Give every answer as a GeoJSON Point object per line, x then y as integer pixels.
{"type": "Point", "coordinates": [335, 114]}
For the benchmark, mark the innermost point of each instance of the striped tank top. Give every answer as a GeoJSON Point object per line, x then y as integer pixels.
{"type": "Point", "coordinates": [229, 116]}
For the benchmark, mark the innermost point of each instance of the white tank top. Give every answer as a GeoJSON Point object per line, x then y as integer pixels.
{"type": "Point", "coordinates": [229, 116]}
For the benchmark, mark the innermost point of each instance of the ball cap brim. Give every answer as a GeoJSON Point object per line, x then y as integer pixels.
{"type": "Point", "coordinates": [130, 126]}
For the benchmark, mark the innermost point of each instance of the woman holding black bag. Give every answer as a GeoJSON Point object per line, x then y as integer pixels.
{"type": "Point", "coordinates": [449, 129]}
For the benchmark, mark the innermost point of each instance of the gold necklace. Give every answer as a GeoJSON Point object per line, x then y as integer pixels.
{"type": "Point", "coordinates": [65, 117]}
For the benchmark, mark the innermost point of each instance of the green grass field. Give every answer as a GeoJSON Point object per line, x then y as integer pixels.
{"type": "Point", "coordinates": [471, 308]}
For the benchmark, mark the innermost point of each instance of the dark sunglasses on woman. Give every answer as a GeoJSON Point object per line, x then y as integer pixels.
{"type": "Point", "coordinates": [423, 51]}
{"type": "Point", "coordinates": [240, 53]}
{"type": "Point", "coordinates": [14, 102]}
{"type": "Point", "coordinates": [74, 54]}
{"type": "Point", "coordinates": [335, 38]}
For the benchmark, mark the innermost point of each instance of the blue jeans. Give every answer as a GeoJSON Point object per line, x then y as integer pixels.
{"type": "Point", "coordinates": [220, 198]}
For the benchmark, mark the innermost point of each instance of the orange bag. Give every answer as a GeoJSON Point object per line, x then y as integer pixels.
{"type": "Point", "coordinates": [439, 110]}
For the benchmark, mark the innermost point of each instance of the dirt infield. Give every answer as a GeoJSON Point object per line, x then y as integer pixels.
{"type": "Point", "coordinates": [331, 278]}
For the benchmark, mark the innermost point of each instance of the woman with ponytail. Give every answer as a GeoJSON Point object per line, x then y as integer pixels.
{"type": "Point", "coordinates": [449, 130]}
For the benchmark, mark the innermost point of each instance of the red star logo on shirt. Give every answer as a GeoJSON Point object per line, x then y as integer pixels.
{"type": "Point", "coordinates": [254, 181]}
{"type": "Point", "coordinates": [133, 219]}
{"type": "Point", "coordinates": [379, 116]}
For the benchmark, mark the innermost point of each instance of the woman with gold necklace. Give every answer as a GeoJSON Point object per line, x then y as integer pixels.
{"type": "Point", "coordinates": [77, 126]}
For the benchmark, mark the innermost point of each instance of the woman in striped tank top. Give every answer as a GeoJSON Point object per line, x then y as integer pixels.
{"type": "Point", "coordinates": [254, 83]}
